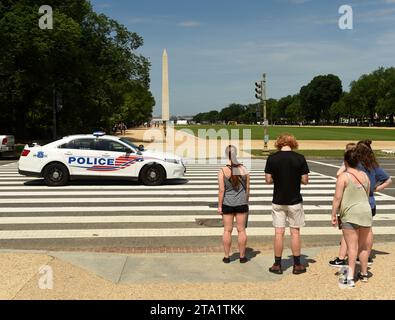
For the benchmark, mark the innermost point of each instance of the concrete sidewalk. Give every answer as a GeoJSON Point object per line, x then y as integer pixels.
{"type": "Point", "coordinates": [186, 276]}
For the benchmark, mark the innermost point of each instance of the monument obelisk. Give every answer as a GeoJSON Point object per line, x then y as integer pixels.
{"type": "Point", "coordinates": [165, 91]}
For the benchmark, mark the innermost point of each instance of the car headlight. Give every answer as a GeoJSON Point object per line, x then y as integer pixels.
{"type": "Point", "coordinates": [172, 161]}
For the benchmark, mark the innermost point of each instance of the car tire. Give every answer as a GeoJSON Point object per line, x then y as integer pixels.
{"type": "Point", "coordinates": [153, 175]}
{"type": "Point", "coordinates": [55, 175]}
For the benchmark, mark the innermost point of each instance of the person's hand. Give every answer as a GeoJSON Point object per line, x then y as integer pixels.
{"type": "Point", "coordinates": [334, 220]}
{"type": "Point", "coordinates": [219, 210]}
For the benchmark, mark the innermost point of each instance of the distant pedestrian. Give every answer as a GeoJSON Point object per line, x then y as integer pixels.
{"type": "Point", "coordinates": [287, 170]}
{"type": "Point", "coordinates": [351, 209]}
{"type": "Point", "coordinates": [233, 197]}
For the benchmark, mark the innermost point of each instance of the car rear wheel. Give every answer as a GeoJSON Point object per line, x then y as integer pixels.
{"type": "Point", "coordinates": [153, 175]}
{"type": "Point", "coordinates": [56, 174]}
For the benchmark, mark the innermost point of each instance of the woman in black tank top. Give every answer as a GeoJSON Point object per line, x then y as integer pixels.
{"type": "Point", "coordinates": [233, 196]}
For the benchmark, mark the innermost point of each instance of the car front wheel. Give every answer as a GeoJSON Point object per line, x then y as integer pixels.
{"type": "Point", "coordinates": [55, 175]}
{"type": "Point", "coordinates": [153, 175]}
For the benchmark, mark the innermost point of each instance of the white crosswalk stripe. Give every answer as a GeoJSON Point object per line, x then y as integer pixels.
{"type": "Point", "coordinates": [29, 210]}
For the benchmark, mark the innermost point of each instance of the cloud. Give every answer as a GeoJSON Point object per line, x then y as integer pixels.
{"type": "Point", "coordinates": [136, 20]}
{"type": "Point", "coordinates": [189, 24]}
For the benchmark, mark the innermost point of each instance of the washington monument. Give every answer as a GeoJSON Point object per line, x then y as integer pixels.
{"type": "Point", "coordinates": [165, 90]}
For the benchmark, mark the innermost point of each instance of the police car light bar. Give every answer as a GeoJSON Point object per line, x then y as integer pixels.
{"type": "Point", "coordinates": [99, 134]}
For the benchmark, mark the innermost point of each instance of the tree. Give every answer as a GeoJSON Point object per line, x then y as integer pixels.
{"type": "Point", "coordinates": [232, 113]}
{"type": "Point", "coordinates": [88, 57]}
{"type": "Point", "coordinates": [366, 92]}
{"type": "Point", "coordinates": [318, 96]}
{"type": "Point", "coordinates": [386, 103]}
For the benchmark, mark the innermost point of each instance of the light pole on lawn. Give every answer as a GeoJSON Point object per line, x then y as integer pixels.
{"type": "Point", "coordinates": [260, 90]}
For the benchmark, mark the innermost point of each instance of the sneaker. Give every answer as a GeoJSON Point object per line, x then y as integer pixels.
{"type": "Point", "coordinates": [363, 277]}
{"type": "Point", "coordinates": [299, 269]}
{"type": "Point", "coordinates": [338, 263]}
{"type": "Point", "coordinates": [370, 261]}
{"type": "Point", "coordinates": [276, 269]}
{"type": "Point", "coordinates": [350, 284]}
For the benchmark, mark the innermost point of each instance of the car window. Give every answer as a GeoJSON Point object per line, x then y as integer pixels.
{"type": "Point", "coordinates": [109, 145]}
{"type": "Point", "coordinates": [79, 144]}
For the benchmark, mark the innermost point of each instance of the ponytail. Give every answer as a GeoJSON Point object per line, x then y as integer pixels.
{"type": "Point", "coordinates": [234, 179]}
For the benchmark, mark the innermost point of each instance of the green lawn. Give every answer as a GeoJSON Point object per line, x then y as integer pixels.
{"type": "Point", "coordinates": [307, 133]}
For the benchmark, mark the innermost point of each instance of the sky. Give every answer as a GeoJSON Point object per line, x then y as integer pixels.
{"type": "Point", "coordinates": [218, 48]}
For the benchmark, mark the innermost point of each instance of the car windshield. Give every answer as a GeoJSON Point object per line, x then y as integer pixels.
{"type": "Point", "coordinates": [128, 142]}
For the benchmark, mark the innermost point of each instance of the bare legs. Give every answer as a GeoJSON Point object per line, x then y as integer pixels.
{"type": "Point", "coordinates": [228, 228]}
{"type": "Point", "coordinates": [351, 238]}
{"type": "Point", "coordinates": [357, 245]}
{"type": "Point", "coordinates": [279, 241]}
{"type": "Point", "coordinates": [227, 237]}
{"type": "Point", "coordinates": [364, 248]}
{"type": "Point", "coordinates": [343, 249]}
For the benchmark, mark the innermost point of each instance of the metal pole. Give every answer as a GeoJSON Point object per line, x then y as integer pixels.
{"type": "Point", "coordinates": [54, 113]}
{"type": "Point", "coordinates": [265, 122]}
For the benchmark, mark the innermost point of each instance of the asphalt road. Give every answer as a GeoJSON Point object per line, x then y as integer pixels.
{"type": "Point", "coordinates": [181, 214]}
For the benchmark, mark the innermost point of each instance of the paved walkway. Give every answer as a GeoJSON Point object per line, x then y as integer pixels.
{"type": "Point", "coordinates": [186, 276]}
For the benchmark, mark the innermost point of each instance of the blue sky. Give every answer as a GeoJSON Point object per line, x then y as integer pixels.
{"type": "Point", "coordinates": [219, 48]}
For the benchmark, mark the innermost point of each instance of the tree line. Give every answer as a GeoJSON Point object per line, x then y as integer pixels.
{"type": "Point", "coordinates": [87, 60]}
{"type": "Point", "coordinates": [370, 100]}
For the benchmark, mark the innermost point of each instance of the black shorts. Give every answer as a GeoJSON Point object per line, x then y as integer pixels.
{"type": "Point", "coordinates": [232, 210]}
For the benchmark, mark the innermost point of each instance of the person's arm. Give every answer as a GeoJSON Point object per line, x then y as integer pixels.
{"type": "Point", "coordinates": [337, 198]}
{"type": "Point", "coordinates": [268, 171]}
{"type": "Point", "coordinates": [305, 172]}
{"type": "Point", "coordinates": [384, 185]}
{"type": "Point", "coordinates": [341, 170]}
{"type": "Point", "coordinates": [268, 178]}
{"type": "Point", "coordinates": [248, 188]}
{"type": "Point", "coordinates": [221, 190]}
{"type": "Point", "coordinates": [383, 179]}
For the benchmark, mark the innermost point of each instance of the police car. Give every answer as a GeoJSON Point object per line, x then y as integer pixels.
{"type": "Point", "coordinates": [98, 155]}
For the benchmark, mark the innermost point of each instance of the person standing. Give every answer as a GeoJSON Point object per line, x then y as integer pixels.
{"type": "Point", "coordinates": [287, 170]}
{"type": "Point", "coordinates": [351, 203]}
{"type": "Point", "coordinates": [379, 179]}
{"type": "Point", "coordinates": [233, 196]}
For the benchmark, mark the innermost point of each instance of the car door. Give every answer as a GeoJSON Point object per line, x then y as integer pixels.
{"type": "Point", "coordinates": [121, 157]}
{"type": "Point", "coordinates": [80, 156]}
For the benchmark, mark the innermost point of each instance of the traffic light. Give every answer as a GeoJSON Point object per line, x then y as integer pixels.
{"type": "Point", "coordinates": [258, 90]}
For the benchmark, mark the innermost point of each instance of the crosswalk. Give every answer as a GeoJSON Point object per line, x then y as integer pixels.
{"type": "Point", "coordinates": [179, 210]}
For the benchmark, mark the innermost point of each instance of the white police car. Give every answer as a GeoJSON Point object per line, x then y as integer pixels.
{"type": "Point", "coordinates": [98, 155]}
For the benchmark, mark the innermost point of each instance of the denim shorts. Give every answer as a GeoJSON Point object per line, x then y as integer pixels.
{"type": "Point", "coordinates": [348, 225]}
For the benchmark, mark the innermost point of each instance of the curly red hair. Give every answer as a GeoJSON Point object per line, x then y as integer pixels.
{"type": "Point", "coordinates": [286, 139]}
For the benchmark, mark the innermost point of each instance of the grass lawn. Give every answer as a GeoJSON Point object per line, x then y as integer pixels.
{"type": "Point", "coordinates": [322, 153]}
{"type": "Point", "coordinates": [308, 133]}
